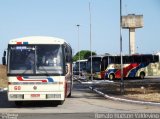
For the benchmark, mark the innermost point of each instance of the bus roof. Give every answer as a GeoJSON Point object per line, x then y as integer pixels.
{"type": "Point", "coordinates": [84, 60]}
{"type": "Point", "coordinates": [37, 40]}
{"type": "Point", "coordinates": [98, 56]}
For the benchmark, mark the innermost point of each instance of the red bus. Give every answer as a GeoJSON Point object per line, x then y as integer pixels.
{"type": "Point", "coordinates": [133, 66]}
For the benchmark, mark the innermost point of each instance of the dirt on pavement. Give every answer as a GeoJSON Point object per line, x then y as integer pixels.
{"type": "Point", "coordinates": [3, 77]}
{"type": "Point", "coordinates": [143, 91]}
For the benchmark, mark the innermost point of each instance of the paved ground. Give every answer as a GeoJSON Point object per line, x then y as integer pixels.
{"type": "Point", "coordinates": [83, 102]}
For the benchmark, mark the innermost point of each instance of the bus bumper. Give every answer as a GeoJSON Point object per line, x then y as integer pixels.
{"type": "Point", "coordinates": [29, 96]}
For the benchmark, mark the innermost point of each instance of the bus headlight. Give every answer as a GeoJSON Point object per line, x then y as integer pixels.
{"type": "Point", "coordinates": [53, 96]}
{"type": "Point", "coordinates": [16, 96]}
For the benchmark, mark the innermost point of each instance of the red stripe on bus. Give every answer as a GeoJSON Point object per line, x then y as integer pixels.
{"type": "Point", "coordinates": [21, 79]}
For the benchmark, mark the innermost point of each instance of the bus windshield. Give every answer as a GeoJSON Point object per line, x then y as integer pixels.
{"type": "Point", "coordinates": [36, 59]}
{"type": "Point", "coordinates": [96, 64]}
{"type": "Point", "coordinates": [82, 66]}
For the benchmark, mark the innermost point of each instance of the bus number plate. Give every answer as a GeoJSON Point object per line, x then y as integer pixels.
{"type": "Point", "coordinates": [35, 95]}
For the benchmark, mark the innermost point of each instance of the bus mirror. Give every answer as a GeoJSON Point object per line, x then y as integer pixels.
{"type": "Point", "coordinates": [4, 53]}
{"type": "Point", "coordinates": [66, 69]}
{"type": "Point", "coordinates": [4, 60]}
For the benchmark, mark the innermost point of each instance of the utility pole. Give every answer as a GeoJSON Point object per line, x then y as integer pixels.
{"type": "Point", "coordinates": [90, 40]}
{"type": "Point", "coordinates": [122, 81]}
{"type": "Point", "coordinates": [78, 48]}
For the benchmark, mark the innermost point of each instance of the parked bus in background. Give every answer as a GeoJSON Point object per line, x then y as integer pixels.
{"type": "Point", "coordinates": [96, 67]}
{"type": "Point", "coordinates": [79, 69]}
{"type": "Point", "coordinates": [39, 69]}
{"type": "Point", "coordinates": [133, 66]}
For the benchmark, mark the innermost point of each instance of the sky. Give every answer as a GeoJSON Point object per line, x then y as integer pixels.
{"type": "Point", "coordinates": [59, 18]}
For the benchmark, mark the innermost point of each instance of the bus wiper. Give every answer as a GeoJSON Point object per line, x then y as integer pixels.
{"type": "Point", "coordinates": [44, 70]}
{"type": "Point", "coordinates": [25, 71]}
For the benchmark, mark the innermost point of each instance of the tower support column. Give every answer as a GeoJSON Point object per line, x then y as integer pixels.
{"type": "Point", "coordinates": [132, 48]}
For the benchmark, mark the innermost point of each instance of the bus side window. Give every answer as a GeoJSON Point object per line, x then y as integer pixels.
{"type": "Point", "coordinates": [111, 60]}
{"type": "Point", "coordinates": [155, 58]}
{"type": "Point", "coordinates": [104, 64]}
{"type": "Point", "coordinates": [117, 59]}
{"type": "Point", "coordinates": [68, 54]}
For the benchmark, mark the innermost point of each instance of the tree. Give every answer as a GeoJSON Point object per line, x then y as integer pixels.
{"type": "Point", "coordinates": [84, 54]}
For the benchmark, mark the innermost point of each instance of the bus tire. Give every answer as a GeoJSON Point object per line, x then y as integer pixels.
{"type": "Point", "coordinates": [57, 102]}
{"type": "Point", "coordinates": [142, 75]}
{"type": "Point", "coordinates": [69, 95]}
{"type": "Point", "coordinates": [18, 103]}
{"type": "Point", "coordinates": [111, 76]}
{"type": "Point", "coordinates": [60, 102]}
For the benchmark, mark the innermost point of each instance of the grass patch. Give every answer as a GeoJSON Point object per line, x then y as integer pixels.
{"type": "Point", "coordinates": [3, 77]}
{"type": "Point", "coordinates": [143, 91]}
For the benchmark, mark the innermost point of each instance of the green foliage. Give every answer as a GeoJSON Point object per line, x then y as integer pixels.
{"type": "Point", "coordinates": [84, 54]}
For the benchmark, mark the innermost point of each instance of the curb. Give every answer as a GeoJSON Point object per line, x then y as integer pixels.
{"type": "Point", "coordinates": [121, 99]}
{"type": "Point", "coordinates": [91, 82]}
{"type": "Point", "coordinates": [124, 100]}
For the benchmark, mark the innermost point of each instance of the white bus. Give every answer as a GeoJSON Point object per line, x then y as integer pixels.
{"type": "Point", "coordinates": [79, 67]}
{"type": "Point", "coordinates": [39, 68]}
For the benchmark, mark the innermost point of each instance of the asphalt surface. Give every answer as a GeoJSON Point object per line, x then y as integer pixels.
{"type": "Point", "coordinates": [84, 103]}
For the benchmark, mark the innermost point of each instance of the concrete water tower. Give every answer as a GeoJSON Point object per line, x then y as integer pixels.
{"type": "Point", "coordinates": [131, 22]}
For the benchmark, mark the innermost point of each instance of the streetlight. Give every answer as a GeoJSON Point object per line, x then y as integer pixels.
{"type": "Point", "coordinates": [78, 48]}
{"type": "Point", "coordinates": [90, 41]}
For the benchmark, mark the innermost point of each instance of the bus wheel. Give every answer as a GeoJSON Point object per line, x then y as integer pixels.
{"type": "Point", "coordinates": [111, 76]}
{"type": "Point", "coordinates": [60, 102]}
{"type": "Point", "coordinates": [142, 75]}
{"type": "Point", "coordinates": [18, 103]}
{"type": "Point", "coordinates": [69, 95]}
{"type": "Point", "coordinates": [57, 102]}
